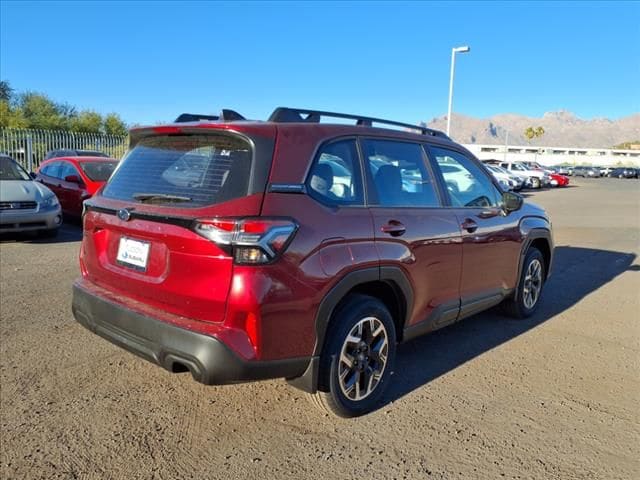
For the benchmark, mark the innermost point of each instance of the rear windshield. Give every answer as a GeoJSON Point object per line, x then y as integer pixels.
{"type": "Point", "coordinates": [189, 170]}
{"type": "Point", "coordinates": [98, 171]}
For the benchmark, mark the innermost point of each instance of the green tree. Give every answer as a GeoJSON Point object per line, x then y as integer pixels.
{"type": "Point", "coordinates": [42, 112]}
{"type": "Point", "coordinates": [113, 125]}
{"type": "Point", "coordinates": [6, 92]}
{"type": "Point", "coordinates": [38, 111]}
{"type": "Point", "coordinates": [86, 121]}
{"type": "Point", "coordinates": [11, 117]}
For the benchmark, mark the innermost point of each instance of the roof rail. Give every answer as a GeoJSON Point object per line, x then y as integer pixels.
{"type": "Point", "coordinates": [225, 116]}
{"type": "Point", "coordinates": [295, 115]}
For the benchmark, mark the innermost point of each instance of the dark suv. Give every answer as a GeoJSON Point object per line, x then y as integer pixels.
{"type": "Point", "coordinates": [243, 250]}
{"type": "Point", "coordinates": [67, 152]}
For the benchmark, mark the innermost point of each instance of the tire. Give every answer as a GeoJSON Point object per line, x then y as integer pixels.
{"type": "Point", "coordinates": [535, 182]}
{"type": "Point", "coordinates": [620, 176]}
{"type": "Point", "coordinates": [339, 383]}
{"type": "Point", "coordinates": [526, 298]}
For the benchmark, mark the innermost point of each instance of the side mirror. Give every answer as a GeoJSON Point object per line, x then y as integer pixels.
{"type": "Point", "coordinates": [512, 201]}
{"type": "Point", "coordinates": [33, 175]}
{"type": "Point", "coordinates": [73, 179]}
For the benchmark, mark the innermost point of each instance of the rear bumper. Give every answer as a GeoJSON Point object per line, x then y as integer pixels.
{"type": "Point", "coordinates": [208, 359]}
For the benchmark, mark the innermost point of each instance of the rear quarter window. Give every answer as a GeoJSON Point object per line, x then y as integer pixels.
{"type": "Point", "coordinates": [198, 170]}
{"type": "Point", "coordinates": [98, 171]}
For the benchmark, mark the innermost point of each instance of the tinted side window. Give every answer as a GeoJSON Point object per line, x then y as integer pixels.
{"type": "Point", "coordinates": [66, 170]}
{"type": "Point", "coordinates": [335, 174]}
{"type": "Point", "coordinates": [467, 184]}
{"type": "Point", "coordinates": [53, 170]}
{"type": "Point", "coordinates": [399, 174]}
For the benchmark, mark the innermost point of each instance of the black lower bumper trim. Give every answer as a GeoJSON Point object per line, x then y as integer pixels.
{"type": "Point", "coordinates": [208, 359]}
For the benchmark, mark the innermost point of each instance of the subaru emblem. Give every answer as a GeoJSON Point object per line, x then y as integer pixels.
{"type": "Point", "coordinates": [124, 214]}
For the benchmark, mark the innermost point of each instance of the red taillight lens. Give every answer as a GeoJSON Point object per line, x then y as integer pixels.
{"type": "Point", "coordinates": [253, 241]}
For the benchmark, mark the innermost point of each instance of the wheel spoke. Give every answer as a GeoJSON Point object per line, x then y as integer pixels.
{"type": "Point", "coordinates": [353, 340]}
{"type": "Point", "coordinates": [352, 385]}
{"type": "Point", "coordinates": [373, 377]}
{"type": "Point", "coordinates": [347, 359]}
{"type": "Point", "coordinates": [378, 331]}
{"type": "Point", "coordinates": [358, 376]}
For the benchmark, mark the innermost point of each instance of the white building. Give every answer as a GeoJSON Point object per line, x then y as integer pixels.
{"type": "Point", "coordinates": [557, 155]}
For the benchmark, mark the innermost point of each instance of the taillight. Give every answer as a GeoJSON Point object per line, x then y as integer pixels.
{"type": "Point", "coordinates": [252, 241]}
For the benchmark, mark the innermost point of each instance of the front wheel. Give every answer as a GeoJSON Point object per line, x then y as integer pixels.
{"type": "Point", "coordinates": [526, 298]}
{"type": "Point", "coordinates": [358, 358]}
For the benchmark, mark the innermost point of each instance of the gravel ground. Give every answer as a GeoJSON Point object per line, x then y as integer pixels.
{"type": "Point", "coordinates": [555, 396]}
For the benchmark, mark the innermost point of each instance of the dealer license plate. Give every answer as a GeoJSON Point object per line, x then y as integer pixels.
{"type": "Point", "coordinates": [133, 253]}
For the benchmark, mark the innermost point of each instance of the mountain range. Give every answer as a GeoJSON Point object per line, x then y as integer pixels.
{"type": "Point", "coordinates": [562, 129]}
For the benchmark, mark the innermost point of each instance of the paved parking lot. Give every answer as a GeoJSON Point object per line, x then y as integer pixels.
{"type": "Point", "coordinates": [555, 396]}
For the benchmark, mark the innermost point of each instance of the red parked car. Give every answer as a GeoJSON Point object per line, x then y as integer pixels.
{"type": "Point", "coordinates": [558, 180]}
{"type": "Point", "coordinates": [242, 250]}
{"type": "Point", "coordinates": [74, 179]}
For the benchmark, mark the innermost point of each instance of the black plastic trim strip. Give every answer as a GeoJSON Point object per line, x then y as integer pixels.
{"type": "Point", "coordinates": [441, 316]}
{"type": "Point", "coordinates": [208, 359]}
{"type": "Point", "coordinates": [185, 222]}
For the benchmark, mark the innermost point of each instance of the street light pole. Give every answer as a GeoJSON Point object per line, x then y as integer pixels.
{"type": "Point", "coordinates": [455, 50]}
{"type": "Point", "coordinates": [506, 145]}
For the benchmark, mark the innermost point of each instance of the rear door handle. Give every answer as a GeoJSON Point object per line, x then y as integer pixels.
{"type": "Point", "coordinates": [394, 228]}
{"type": "Point", "coordinates": [469, 225]}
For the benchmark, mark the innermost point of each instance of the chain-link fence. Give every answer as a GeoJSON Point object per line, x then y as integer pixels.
{"type": "Point", "coordinates": [29, 147]}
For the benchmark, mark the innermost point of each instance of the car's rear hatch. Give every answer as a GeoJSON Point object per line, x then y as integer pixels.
{"type": "Point", "coordinates": [139, 241]}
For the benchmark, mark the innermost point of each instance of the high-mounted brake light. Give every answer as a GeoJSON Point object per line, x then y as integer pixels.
{"type": "Point", "coordinates": [252, 241]}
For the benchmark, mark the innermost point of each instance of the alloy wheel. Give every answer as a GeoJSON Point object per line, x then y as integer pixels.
{"type": "Point", "coordinates": [363, 358]}
{"type": "Point", "coordinates": [532, 284]}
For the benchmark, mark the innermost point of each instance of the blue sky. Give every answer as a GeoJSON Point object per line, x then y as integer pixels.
{"type": "Point", "coordinates": [149, 61]}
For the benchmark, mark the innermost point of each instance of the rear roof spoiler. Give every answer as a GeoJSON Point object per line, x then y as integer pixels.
{"type": "Point", "coordinates": [225, 116]}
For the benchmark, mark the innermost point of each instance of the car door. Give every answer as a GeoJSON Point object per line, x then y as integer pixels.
{"type": "Point", "coordinates": [336, 201]}
{"type": "Point", "coordinates": [74, 192]}
{"type": "Point", "coordinates": [67, 189]}
{"type": "Point", "coordinates": [491, 240]}
{"type": "Point", "coordinates": [413, 231]}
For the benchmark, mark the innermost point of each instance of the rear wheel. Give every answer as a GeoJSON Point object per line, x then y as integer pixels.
{"type": "Point", "coordinates": [525, 300]}
{"type": "Point", "coordinates": [358, 358]}
{"type": "Point", "coordinates": [535, 182]}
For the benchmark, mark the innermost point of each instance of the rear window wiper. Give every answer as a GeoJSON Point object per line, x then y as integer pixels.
{"type": "Point", "coordinates": [160, 197]}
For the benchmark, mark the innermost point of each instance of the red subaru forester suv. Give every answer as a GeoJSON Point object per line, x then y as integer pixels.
{"type": "Point", "coordinates": [243, 250]}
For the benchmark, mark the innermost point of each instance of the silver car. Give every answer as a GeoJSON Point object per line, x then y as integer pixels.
{"type": "Point", "coordinates": [26, 205]}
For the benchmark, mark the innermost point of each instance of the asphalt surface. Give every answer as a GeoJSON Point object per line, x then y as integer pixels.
{"type": "Point", "coordinates": [555, 396]}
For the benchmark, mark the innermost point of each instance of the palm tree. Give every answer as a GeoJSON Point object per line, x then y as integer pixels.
{"type": "Point", "coordinates": [532, 133]}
